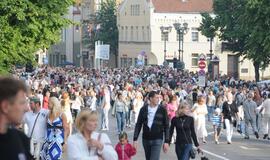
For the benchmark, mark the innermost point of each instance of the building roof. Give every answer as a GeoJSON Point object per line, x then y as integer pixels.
{"type": "Point", "coordinates": [178, 6]}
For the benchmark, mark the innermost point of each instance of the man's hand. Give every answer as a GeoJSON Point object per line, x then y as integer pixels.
{"type": "Point", "coordinates": [165, 147]}
{"type": "Point", "coordinates": [135, 144]}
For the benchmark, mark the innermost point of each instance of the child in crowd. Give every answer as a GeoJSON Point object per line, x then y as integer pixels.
{"type": "Point", "coordinates": [216, 120]}
{"type": "Point", "coordinates": [124, 150]}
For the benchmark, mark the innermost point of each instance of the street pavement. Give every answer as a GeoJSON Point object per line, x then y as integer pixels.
{"type": "Point", "coordinates": [240, 149]}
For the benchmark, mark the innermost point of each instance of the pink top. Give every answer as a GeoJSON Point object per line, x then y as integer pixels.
{"type": "Point", "coordinates": [171, 109]}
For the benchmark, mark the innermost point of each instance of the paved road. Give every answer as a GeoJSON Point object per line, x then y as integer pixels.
{"type": "Point", "coordinates": [240, 149]}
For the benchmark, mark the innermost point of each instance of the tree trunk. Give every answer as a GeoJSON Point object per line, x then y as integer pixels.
{"type": "Point", "coordinates": [257, 73]}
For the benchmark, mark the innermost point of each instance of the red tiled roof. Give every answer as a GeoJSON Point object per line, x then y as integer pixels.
{"type": "Point", "coordinates": [176, 6]}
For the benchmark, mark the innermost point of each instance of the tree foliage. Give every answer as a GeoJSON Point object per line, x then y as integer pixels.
{"type": "Point", "coordinates": [102, 26]}
{"type": "Point", "coordinates": [106, 19]}
{"type": "Point", "coordinates": [27, 26]}
{"type": "Point", "coordinates": [244, 24]}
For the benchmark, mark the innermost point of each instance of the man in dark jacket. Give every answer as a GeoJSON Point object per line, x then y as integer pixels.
{"type": "Point", "coordinates": [14, 145]}
{"type": "Point", "coordinates": [154, 120]}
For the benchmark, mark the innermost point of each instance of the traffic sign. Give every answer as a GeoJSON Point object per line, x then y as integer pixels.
{"type": "Point", "coordinates": [202, 64]}
{"type": "Point", "coordinates": [202, 57]}
{"type": "Point", "coordinates": [201, 72]}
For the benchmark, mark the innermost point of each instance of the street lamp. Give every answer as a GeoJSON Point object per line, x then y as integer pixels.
{"type": "Point", "coordinates": [181, 29]}
{"type": "Point", "coordinates": [165, 32]}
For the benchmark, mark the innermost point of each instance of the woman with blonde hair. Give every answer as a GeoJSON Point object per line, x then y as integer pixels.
{"type": "Point", "coordinates": [199, 111]}
{"type": "Point", "coordinates": [88, 144]}
{"type": "Point", "coordinates": [185, 132]}
{"type": "Point", "coordinates": [57, 132]}
{"type": "Point", "coordinates": [229, 116]}
{"type": "Point", "coordinates": [65, 106]}
{"type": "Point", "coordinates": [137, 105]}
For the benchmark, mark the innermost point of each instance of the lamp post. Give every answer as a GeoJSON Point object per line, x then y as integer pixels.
{"type": "Point", "coordinates": [165, 32]}
{"type": "Point", "coordinates": [181, 29]}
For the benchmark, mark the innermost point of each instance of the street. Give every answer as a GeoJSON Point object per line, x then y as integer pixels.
{"type": "Point", "coordinates": [240, 148]}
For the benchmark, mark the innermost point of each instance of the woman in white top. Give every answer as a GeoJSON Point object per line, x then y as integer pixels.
{"type": "Point", "coordinates": [87, 144]}
{"type": "Point", "coordinates": [92, 101]}
{"type": "Point", "coordinates": [65, 105]}
{"type": "Point", "coordinates": [199, 111]}
{"type": "Point", "coordinates": [137, 104]}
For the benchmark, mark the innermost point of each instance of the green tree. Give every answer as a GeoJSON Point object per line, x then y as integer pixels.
{"type": "Point", "coordinates": [107, 31]}
{"type": "Point", "coordinates": [27, 26]}
{"type": "Point", "coordinates": [244, 25]}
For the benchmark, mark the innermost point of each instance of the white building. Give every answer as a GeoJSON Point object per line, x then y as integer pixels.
{"type": "Point", "coordinates": [139, 25]}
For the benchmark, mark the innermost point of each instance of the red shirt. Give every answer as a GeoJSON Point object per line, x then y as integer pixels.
{"type": "Point", "coordinates": [125, 152]}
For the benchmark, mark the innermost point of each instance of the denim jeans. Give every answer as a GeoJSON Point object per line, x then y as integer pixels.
{"type": "Point", "coordinates": [183, 151]}
{"type": "Point", "coordinates": [152, 149]}
{"type": "Point", "coordinates": [210, 110]}
{"type": "Point", "coordinates": [120, 117]}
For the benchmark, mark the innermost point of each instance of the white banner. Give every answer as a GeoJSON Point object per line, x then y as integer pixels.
{"type": "Point", "coordinates": [102, 52]}
{"type": "Point", "coordinates": [201, 81]}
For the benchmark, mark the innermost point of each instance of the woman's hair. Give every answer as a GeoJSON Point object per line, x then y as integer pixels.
{"type": "Point", "coordinates": [56, 107]}
{"type": "Point", "coordinates": [123, 135]}
{"type": "Point", "coordinates": [180, 110]}
{"type": "Point", "coordinates": [83, 116]}
{"type": "Point", "coordinates": [172, 98]}
{"type": "Point", "coordinates": [65, 99]}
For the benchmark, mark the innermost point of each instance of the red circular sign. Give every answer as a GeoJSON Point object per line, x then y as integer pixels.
{"type": "Point", "coordinates": [202, 64]}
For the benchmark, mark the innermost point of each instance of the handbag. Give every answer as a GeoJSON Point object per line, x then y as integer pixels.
{"type": "Point", "coordinates": [192, 153]}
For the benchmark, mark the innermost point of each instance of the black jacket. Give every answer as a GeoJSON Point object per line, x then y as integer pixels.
{"type": "Point", "coordinates": [229, 111]}
{"type": "Point", "coordinates": [185, 130]}
{"type": "Point", "coordinates": [160, 125]}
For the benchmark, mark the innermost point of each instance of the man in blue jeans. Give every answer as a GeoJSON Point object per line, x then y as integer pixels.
{"type": "Point", "coordinates": [154, 120]}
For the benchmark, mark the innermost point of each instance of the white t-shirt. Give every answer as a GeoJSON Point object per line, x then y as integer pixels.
{"type": "Point", "coordinates": [40, 130]}
{"type": "Point", "coordinates": [151, 115]}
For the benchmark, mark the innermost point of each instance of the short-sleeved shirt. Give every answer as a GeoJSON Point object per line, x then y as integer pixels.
{"type": "Point", "coordinates": [40, 130]}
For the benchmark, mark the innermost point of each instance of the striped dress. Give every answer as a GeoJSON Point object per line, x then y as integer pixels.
{"type": "Point", "coordinates": [216, 120]}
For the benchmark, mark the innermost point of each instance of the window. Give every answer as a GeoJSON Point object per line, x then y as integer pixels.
{"type": "Point", "coordinates": [194, 59]}
{"type": "Point", "coordinates": [135, 10]}
{"type": "Point", "coordinates": [244, 70]}
{"type": "Point", "coordinates": [143, 33]}
{"type": "Point", "coordinates": [195, 35]}
{"type": "Point", "coordinates": [126, 34]}
{"type": "Point", "coordinates": [126, 62]}
{"type": "Point", "coordinates": [148, 33]}
{"type": "Point", "coordinates": [63, 59]}
{"type": "Point", "coordinates": [131, 33]}
{"type": "Point", "coordinates": [164, 36]}
{"type": "Point", "coordinates": [122, 33]}
{"type": "Point", "coordinates": [137, 33]}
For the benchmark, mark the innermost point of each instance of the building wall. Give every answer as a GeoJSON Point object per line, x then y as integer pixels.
{"type": "Point", "coordinates": [172, 45]}
{"type": "Point", "coordinates": [134, 30]}
{"type": "Point", "coordinates": [68, 48]}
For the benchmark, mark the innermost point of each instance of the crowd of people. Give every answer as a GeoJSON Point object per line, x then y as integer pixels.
{"type": "Point", "coordinates": [66, 104]}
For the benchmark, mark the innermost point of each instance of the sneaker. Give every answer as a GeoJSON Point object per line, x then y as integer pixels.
{"type": "Point", "coordinates": [217, 142]}
{"type": "Point", "coordinates": [257, 135]}
{"type": "Point", "coordinates": [229, 142]}
{"type": "Point", "coordinates": [265, 136]}
{"type": "Point", "coordinates": [246, 137]}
